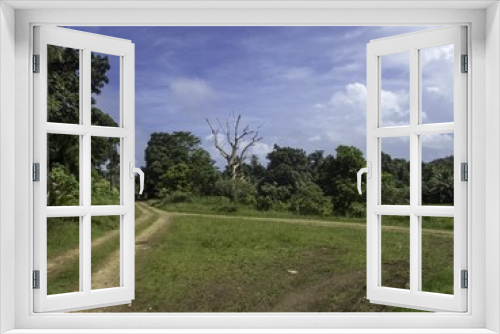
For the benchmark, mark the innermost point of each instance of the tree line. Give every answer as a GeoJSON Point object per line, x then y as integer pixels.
{"type": "Point", "coordinates": [289, 180]}
{"type": "Point", "coordinates": [178, 166]}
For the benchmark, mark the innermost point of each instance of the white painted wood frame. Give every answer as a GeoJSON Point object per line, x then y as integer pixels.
{"type": "Point", "coordinates": [16, 110]}
{"type": "Point", "coordinates": [86, 43]}
{"type": "Point", "coordinates": [414, 297]}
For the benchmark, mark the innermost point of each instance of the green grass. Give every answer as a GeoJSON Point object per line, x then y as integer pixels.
{"type": "Point", "coordinates": [208, 264]}
{"type": "Point", "coordinates": [215, 264]}
{"type": "Point", "coordinates": [217, 205]}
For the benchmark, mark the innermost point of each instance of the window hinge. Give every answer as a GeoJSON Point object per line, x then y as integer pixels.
{"type": "Point", "coordinates": [464, 172]}
{"type": "Point", "coordinates": [36, 172]}
{"type": "Point", "coordinates": [36, 63]}
{"type": "Point", "coordinates": [36, 279]}
{"type": "Point", "coordinates": [465, 64]}
{"type": "Point", "coordinates": [465, 279]}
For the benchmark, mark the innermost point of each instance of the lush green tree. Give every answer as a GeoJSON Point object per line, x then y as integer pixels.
{"type": "Point", "coordinates": [63, 106]}
{"type": "Point", "coordinates": [176, 160]}
{"type": "Point", "coordinates": [176, 178]}
{"type": "Point", "coordinates": [395, 180]}
{"type": "Point", "coordinates": [237, 190]}
{"type": "Point", "coordinates": [287, 167]}
{"type": "Point", "coordinates": [438, 181]}
{"type": "Point", "coordinates": [393, 191]}
{"type": "Point", "coordinates": [63, 188]}
{"type": "Point", "coordinates": [309, 199]}
{"type": "Point", "coordinates": [315, 161]}
{"type": "Point", "coordinates": [253, 171]}
{"type": "Point", "coordinates": [337, 177]}
{"type": "Point", "coordinates": [274, 197]}
{"type": "Point", "coordinates": [101, 192]}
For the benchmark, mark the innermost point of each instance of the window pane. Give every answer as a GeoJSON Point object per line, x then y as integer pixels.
{"type": "Point", "coordinates": [395, 242]}
{"type": "Point", "coordinates": [105, 171]}
{"type": "Point", "coordinates": [63, 255]}
{"type": "Point", "coordinates": [395, 89]}
{"type": "Point", "coordinates": [105, 231]}
{"type": "Point", "coordinates": [395, 166]}
{"type": "Point", "coordinates": [437, 169]}
{"type": "Point", "coordinates": [437, 254]}
{"type": "Point", "coordinates": [63, 170]}
{"type": "Point", "coordinates": [437, 84]}
{"type": "Point", "coordinates": [105, 90]}
{"type": "Point", "coordinates": [63, 85]}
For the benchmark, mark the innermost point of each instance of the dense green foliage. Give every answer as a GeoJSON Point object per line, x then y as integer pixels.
{"type": "Point", "coordinates": [176, 162]}
{"type": "Point", "coordinates": [63, 161]}
{"type": "Point", "coordinates": [293, 180]}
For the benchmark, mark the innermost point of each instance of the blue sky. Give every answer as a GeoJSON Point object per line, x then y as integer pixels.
{"type": "Point", "coordinates": [306, 86]}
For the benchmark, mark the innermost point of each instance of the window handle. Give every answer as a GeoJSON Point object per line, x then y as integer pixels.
{"type": "Point", "coordinates": [368, 171]}
{"type": "Point", "coordinates": [134, 170]}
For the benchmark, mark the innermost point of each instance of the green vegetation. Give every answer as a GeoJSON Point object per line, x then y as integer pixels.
{"type": "Point", "coordinates": [286, 235]}
{"type": "Point", "coordinates": [293, 181]}
{"type": "Point", "coordinates": [209, 264]}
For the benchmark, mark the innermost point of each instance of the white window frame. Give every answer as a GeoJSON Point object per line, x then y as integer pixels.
{"type": "Point", "coordinates": [413, 43]}
{"type": "Point", "coordinates": [85, 43]}
{"type": "Point", "coordinates": [484, 102]}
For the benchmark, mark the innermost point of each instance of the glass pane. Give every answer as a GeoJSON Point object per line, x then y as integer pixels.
{"type": "Point", "coordinates": [63, 170]}
{"type": "Point", "coordinates": [395, 89]}
{"type": "Point", "coordinates": [105, 231]}
{"type": "Point", "coordinates": [63, 255]}
{"type": "Point", "coordinates": [437, 169]}
{"type": "Point", "coordinates": [395, 166]}
{"type": "Point", "coordinates": [63, 85]}
{"type": "Point", "coordinates": [105, 90]}
{"type": "Point", "coordinates": [437, 254]}
{"type": "Point", "coordinates": [105, 171]}
{"type": "Point", "coordinates": [437, 84]}
{"type": "Point", "coordinates": [395, 242]}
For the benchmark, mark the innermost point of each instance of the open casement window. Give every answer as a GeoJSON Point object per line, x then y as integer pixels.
{"type": "Point", "coordinates": [83, 168]}
{"type": "Point", "coordinates": [413, 215]}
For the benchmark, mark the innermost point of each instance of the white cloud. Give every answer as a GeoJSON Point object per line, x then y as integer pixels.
{"type": "Point", "coordinates": [320, 106]}
{"type": "Point", "coordinates": [261, 150]}
{"type": "Point", "coordinates": [192, 95]}
{"type": "Point", "coordinates": [434, 89]}
{"type": "Point", "coordinates": [395, 108]}
{"type": "Point", "coordinates": [394, 105]}
{"type": "Point", "coordinates": [297, 73]}
{"type": "Point", "coordinates": [437, 146]}
{"type": "Point", "coordinates": [314, 139]}
{"type": "Point", "coordinates": [444, 52]}
{"type": "Point", "coordinates": [352, 94]}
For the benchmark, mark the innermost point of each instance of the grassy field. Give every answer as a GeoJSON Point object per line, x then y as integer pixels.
{"type": "Point", "coordinates": [213, 264]}
{"type": "Point", "coordinates": [218, 205]}
{"type": "Point", "coordinates": [207, 263]}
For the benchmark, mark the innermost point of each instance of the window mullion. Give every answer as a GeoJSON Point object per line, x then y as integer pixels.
{"type": "Point", "coordinates": [414, 171]}
{"type": "Point", "coordinates": [86, 166]}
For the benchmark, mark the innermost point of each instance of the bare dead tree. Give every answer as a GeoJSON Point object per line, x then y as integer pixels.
{"type": "Point", "coordinates": [239, 142]}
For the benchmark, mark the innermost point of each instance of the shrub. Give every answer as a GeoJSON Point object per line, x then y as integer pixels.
{"type": "Point", "coordinates": [308, 199]}
{"type": "Point", "coordinates": [238, 190]}
{"type": "Point", "coordinates": [62, 187]}
{"type": "Point", "coordinates": [175, 197]}
{"type": "Point", "coordinates": [228, 209]}
{"type": "Point", "coordinates": [103, 193]}
{"type": "Point", "coordinates": [273, 197]}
